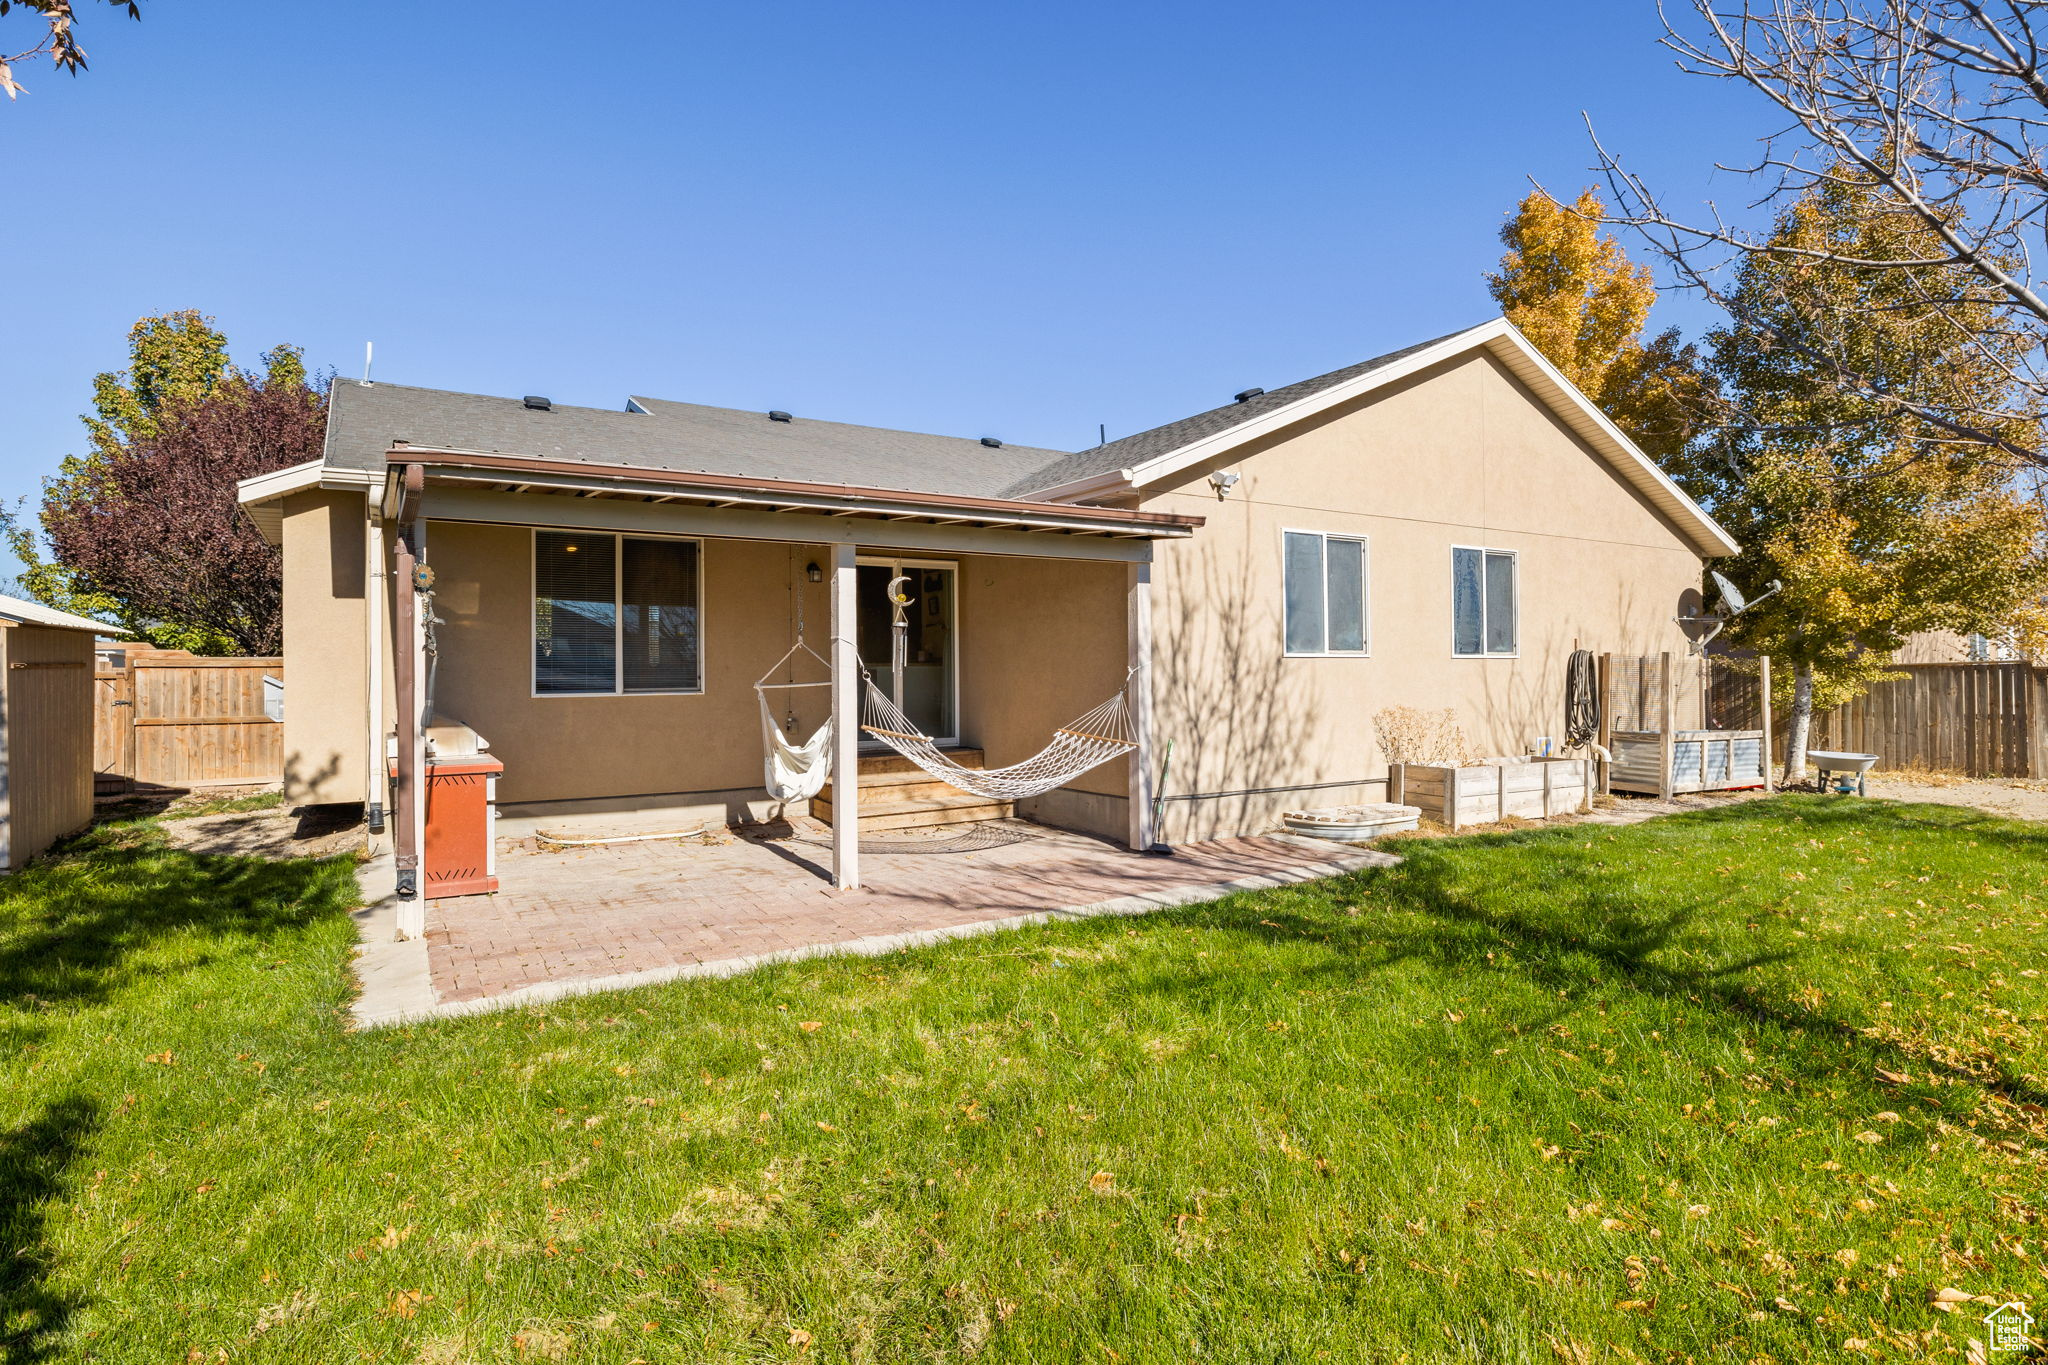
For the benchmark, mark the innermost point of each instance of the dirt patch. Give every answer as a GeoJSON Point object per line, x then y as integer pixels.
{"type": "Point", "coordinates": [2018, 798]}
{"type": "Point", "coordinates": [268, 834]}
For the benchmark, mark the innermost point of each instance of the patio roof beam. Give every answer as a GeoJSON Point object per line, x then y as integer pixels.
{"type": "Point", "coordinates": [602, 480]}
{"type": "Point", "coordinates": [447, 502]}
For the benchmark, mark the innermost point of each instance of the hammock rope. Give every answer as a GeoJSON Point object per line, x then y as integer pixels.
{"type": "Point", "coordinates": [1089, 741]}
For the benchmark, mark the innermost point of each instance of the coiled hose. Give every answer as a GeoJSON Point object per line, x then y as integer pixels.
{"type": "Point", "coordinates": [1581, 700]}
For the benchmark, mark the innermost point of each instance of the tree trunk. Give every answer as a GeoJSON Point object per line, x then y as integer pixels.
{"type": "Point", "coordinates": [1801, 729]}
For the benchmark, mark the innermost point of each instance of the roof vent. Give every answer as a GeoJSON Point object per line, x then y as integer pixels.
{"type": "Point", "coordinates": [992, 443]}
{"type": "Point", "coordinates": [538, 403]}
{"type": "Point", "coordinates": [1247, 395]}
{"type": "Point", "coordinates": [779, 416]}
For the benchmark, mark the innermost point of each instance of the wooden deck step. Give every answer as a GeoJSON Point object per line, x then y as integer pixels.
{"type": "Point", "coordinates": [897, 794]}
{"type": "Point", "coordinates": [878, 766]}
{"type": "Point", "coordinates": [893, 812]}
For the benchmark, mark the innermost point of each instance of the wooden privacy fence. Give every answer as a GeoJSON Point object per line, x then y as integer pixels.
{"type": "Point", "coordinates": [1983, 719]}
{"type": "Point", "coordinates": [169, 719]}
{"type": "Point", "coordinates": [1979, 719]}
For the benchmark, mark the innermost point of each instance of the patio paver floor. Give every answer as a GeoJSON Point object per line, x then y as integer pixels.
{"type": "Point", "coordinates": [586, 918]}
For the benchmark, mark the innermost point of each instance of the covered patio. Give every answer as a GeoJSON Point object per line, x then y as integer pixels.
{"type": "Point", "coordinates": [1038, 613]}
{"type": "Point", "coordinates": [612, 916]}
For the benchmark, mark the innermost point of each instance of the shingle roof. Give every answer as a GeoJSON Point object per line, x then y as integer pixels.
{"type": "Point", "coordinates": [364, 419]}
{"type": "Point", "coordinates": [1129, 451]}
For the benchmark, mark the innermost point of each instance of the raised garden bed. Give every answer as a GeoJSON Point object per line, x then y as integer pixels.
{"type": "Point", "coordinates": [1701, 760]}
{"type": "Point", "coordinates": [1481, 793]}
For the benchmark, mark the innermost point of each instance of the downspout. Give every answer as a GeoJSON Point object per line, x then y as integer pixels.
{"type": "Point", "coordinates": [405, 665]}
{"type": "Point", "coordinates": [377, 781]}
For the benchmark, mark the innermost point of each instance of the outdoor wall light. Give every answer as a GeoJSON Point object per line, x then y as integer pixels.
{"type": "Point", "coordinates": [814, 573]}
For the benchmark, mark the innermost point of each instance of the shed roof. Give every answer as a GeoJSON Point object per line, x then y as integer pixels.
{"type": "Point", "coordinates": [16, 611]}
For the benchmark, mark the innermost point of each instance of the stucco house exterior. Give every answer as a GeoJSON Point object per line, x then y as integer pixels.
{"type": "Point", "coordinates": [1437, 527]}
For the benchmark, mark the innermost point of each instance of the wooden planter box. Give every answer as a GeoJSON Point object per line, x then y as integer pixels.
{"type": "Point", "coordinates": [1536, 788]}
{"type": "Point", "coordinates": [1701, 760]}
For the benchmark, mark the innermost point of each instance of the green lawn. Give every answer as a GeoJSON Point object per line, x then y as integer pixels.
{"type": "Point", "coordinates": [1737, 1086]}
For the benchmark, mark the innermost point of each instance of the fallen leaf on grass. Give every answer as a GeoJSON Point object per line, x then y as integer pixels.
{"type": "Point", "coordinates": [1102, 1182]}
{"type": "Point", "coordinates": [800, 1339]}
{"type": "Point", "coordinates": [811, 1025]}
{"type": "Point", "coordinates": [405, 1303]}
{"type": "Point", "coordinates": [161, 1059]}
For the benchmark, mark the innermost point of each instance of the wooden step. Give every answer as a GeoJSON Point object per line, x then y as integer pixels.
{"type": "Point", "coordinates": [878, 766]}
{"type": "Point", "coordinates": [898, 812]}
{"type": "Point", "coordinates": [900, 777]}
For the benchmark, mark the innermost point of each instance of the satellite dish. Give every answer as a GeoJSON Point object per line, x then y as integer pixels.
{"type": "Point", "coordinates": [1731, 596]}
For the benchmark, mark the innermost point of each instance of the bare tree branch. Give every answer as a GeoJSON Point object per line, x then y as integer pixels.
{"type": "Point", "coordinates": [1939, 108]}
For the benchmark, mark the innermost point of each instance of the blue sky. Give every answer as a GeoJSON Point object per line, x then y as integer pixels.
{"type": "Point", "coordinates": [1008, 219]}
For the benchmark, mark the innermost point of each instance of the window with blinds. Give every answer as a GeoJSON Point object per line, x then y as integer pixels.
{"type": "Point", "coordinates": [1485, 616]}
{"type": "Point", "coordinates": [615, 614]}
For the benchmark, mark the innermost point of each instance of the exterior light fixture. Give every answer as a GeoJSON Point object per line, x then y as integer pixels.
{"type": "Point", "coordinates": [814, 573]}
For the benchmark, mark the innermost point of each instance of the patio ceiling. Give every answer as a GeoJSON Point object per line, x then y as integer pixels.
{"type": "Point", "coordinates": [487, 486]}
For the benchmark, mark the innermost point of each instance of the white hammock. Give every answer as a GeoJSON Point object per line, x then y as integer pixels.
{"type": "Point", "coordinates": [1087, 742]}
{"type": "Point", "coordinates": [793, 772]}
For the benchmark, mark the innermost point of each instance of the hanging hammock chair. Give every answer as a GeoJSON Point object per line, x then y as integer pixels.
{"type": "Point", "coordinates": [1086, 742]}
{"type": "Point", "coordinates": [793, 772]}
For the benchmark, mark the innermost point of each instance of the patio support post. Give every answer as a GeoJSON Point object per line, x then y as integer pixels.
{"type": "Point", "coordinates": [845, 722]}
{"type": "Point", "coordinates": [1138, 641]}
{"type": "Point", "coordinates": [408, 837]}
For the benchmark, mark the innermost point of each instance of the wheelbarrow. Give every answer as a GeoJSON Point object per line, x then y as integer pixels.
{"type": "Point", "coordinates": [1849, 770]}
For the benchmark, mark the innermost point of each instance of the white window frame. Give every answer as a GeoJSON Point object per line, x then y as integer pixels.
{"type": "Point", "coordinates": [1514, 557]}
{"type": "Point", "coordinates": [619, 539]}
{"type": "Point", "coordinates": [1364, 543]}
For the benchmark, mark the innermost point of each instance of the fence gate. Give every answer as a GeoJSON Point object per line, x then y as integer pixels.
{"type": "Point", "coordinates": [169, 719]}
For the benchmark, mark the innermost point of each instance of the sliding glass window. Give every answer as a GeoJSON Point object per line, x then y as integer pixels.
{"type": "Point", "coordinates": [615, 614]}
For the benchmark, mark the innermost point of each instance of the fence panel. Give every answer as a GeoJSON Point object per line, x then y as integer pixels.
{"type": "Point", "coordinates": [1970, 718]}
{"type": "Point", "coordinates": [172, 720]}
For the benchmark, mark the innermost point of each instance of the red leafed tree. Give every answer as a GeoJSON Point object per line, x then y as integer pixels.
{"type": "Point", "coordinates": [155, 526]}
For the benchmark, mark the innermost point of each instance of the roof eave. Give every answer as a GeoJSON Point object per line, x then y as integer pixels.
{"type": "Point", "coordinates": [261, 495]}
{"type": "Point", "coordinates": [1501, 338]}
{"type": "Point", "coordinates": [1110, 484]}
{"type": "Point", "coordinates": [527, 474]}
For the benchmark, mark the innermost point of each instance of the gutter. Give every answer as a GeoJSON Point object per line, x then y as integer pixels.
{"type": "Point", "coordinates": [825, 497]}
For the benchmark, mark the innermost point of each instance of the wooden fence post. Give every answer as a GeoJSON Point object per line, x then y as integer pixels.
{"type": "Point", "coordinates": [1763, 683]}
{"type": "Point", "coordinates": [1606, 726]}
{"type": "Point", "coordinates": [1667, 740]}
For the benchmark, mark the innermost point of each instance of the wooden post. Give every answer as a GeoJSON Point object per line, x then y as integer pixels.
{"type": "Point", "coordinates": [1606, 726]}
{"type": "Point", "coordinates": [1547, 812]}
{"type": "Point", "coordinates": [1397, 783]}
{"type": "Point", "coordinates": [1667, 738]}
{"type": "Point", "coordinates": [1763, 682]}
{"type": "Point", "coordinates": [846, 697]}
{"type": "Point", "coordinates": [1138, 652]}
{"type": "Point", "coordinates": [1451, 796]}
